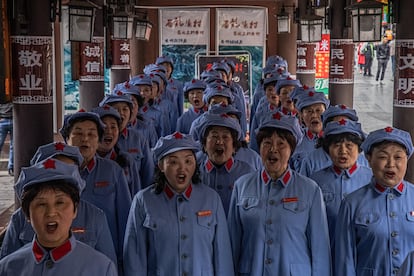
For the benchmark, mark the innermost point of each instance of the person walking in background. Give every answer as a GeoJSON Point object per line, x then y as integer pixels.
{"type": "Point", "coordinates": [383, 55]}
{"type": "Point", "coordinates": [6, 127]}
{"type": "Point", "coordinates": [361, 57]}
{"type": "Point", "coordinates": [368, 51]}
{"type": "Point", "coordinates": [392, 55]}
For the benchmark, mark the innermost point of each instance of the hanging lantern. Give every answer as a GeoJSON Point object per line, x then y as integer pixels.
{"type": "Point", "coordinates": [81, 21]}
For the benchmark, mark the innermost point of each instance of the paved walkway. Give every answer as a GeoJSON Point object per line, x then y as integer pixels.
{"type": "Point", "coordinates": [372, 101]}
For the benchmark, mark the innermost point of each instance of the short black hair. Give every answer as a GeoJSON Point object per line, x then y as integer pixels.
{"type": "Point", "coordinates": [327, 141]}
{"type": "Point", "coordinates": [234, 135]}
{"type": "Point", "coordinates": [56, 185]}
{"type": "Point", "coordinates": [267, 132]}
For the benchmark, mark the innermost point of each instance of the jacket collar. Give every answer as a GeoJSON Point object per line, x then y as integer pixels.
{"type": "Point", "coordinates": [170, 192]}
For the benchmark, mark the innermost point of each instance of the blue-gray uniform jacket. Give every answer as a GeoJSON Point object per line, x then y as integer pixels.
{"type": "Point", "coordinates": [320, 159]}
{"type": "Point", "coordinates": [167, 107]}
{"type": "Point", "coordinates": [89, 226]}
{"type": "Point", "coordinates": [304, 148]}
{"type": "Point", "coordinates": [131, 174]}
{"type": "Point", "coordinates": [278, 227]}
{"type": "Point", "coordinates": [222, 178]}
{"type": "Point", "coordinates": [184, 121]}
{"type": "Point", "coordinates": [132, 142]}
{"type": "Point", "coordinates": [257, 95]}
{"type": "Point", "coordinates": [177, 234]}
{"type": "Point", "coordinates": [106, 188]}
{"type": "Point", "coordinates": [147, 129]}
{"type": "Point", "coordinates": [240, 104]}
{"type": "Point", "coordinates": [407, 268]}
{"type": "Point", "coordinates": [374, 230]}
{"type": "Point", "coordinates": [335, 185]}
{"type": "Point", "coordinates": [174, 92]}
{"type": "Point", "coordinates": [262, 112]}
{"type": "Point", "coordinates": [157, 118]}
{"type": "Point", "coordinates": [71, 258]}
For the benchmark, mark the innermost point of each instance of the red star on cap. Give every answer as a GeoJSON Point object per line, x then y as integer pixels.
{"type": "Point", "coordinates": [388, 129]}
{"type": "Point", "coordinates": [342, 122]}
{"type": "Point", "coordinates": [224, 115]}
{"type": "Point", "coordinates": [119, 93]}
{"type": "Point", "coordinates": [342, 106]}
{"type": "Point", "coordinates": [311, 93]}
{"type": "Point", "coordinates": [49, 164]}
{"type": "Point", "coordinates": [289, 78]}
{"type": "Point", "coordinates": [305, 87]}
{"type": "Point", "coordinates": [177, 135]}
{"type": "Point", "coordinates": [81, 110]}
{"type": "Point", "coordinates": [59, 146]}
{"type": "Point", "coordinates": [127, 85]}
{"type": "Point", "coordinates": [193, 80]}
{"type": "Point", "coordinates": [106, 107]}
{"type": "Point", "coordinates": [276, 116]}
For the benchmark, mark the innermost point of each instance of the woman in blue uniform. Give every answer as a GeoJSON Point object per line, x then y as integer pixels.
{"type": "Point", "coordinates": [375, 225]}
{"type": "Point", "coordinates": [342, 141]}
{"type": "Point", "coordinates": [177, 226]}
{"type": "Point", "coordinates": [277, 218]}
{"type": "Point", "coordinates": [51, 194]}
{"type": "Point", "coordinates": [90, 225]}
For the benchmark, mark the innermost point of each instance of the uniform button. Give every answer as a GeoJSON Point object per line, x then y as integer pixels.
{"type": "Point", "coordinates": [395, 252]}
{"type": "Point", "coordinates": [182, 218]}
{"type": "Point", "coordinates": [271, 202]}
{"type": "Point", "coordinates": [394, 233]}
{"type": "Point", "coordinates": [184, 256]}
{"type": "Point", "coordinates": [268, 261]}
{"type": "Point", "coordinates": [183, 237]}
{"type": "Point", "coordinates": [180, 199]}
{"type": "Point", "coordinates": [219, 187]}
{"type": "Point", "coordinates": [392, 214]}
{"type": "Point", "coordinates": [270, 241]}
{"type": "Point", "coordinates": [269, 221]}
{"type": "Point", "coordinates": [49, 264]}
{"type": "Point", "coordinates": [391, 196]}
{"type": "Point", "coordinates": [184, 274]}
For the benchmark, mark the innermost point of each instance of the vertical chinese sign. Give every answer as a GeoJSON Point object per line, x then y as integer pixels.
{"type": "Point", "coordinates": [322, 65]}
{"type": "Point", "coordinates": [243, 29]}
{"type": "Point", "coordinates": [120, 54]}
{"type": "Point", "coordinates": [305, 61]}
{"type": "Point", "coordinates": [404, 79]}
{"type": "Point", "coordinates": [184, 33]}
{"type": "Point", "coordinates": [32, 76]}
{"type": "Point", "coordinates": [91, 60]}
{"type": "Point", "coordinates": [341, 66]}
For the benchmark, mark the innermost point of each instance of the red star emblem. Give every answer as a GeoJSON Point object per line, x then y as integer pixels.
{"type": "Point", "coordinates": [311, 94]}
{"type": "Point", "coordinates": [342, 106]}
{"type": "Point", "coordinates": [305, 87]}
{"type": "Point", "coordinates": [219, 87]}
{"type": "Point", "coordinates": [59, 146]}
{"type": "Point", "coordinates": [193, 80]}
{"type": "Point", "coordinates": [289, 78]}
{"type": "Point", "coordinates": [280, 71]}
{"type": "Point", "coordinates": [388, 129]}
{"type": "Point", "coordinates": [81, 110]}
{"type": "Point", "coordinates": [342, 122]}
{"type": "Point", "coordinates": [106, 107]}
{"type": "Point", "coordinates": [276, 116]}
{"type": "Point", "coordinates": [119, 93]}
{"type": "Point", "coordinates": [224, 115]}
{"type": "Point", "coordinates": [177, 135]}
{"type": "Point", "coordinates": [127, 85]}
{"type": "Point", "coordinates": [49, 164]}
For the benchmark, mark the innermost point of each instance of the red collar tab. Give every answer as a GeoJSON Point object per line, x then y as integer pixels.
{"type": "Point", "coordinates": [125, 132]}
{"type": "Point", "coordinates": [265, 177]}
{"type": "Point", "coordinates": [91, 164]}
{"type": "Point", "coordinates": [310, 134]}
{"type": "Point", "coordinates": [286, 177]}
{"type": "Point", "coordinates": [399, 188]}
{"type": "Point", "coordinates": [113, 155]}
{"type": "Point", "coordinates": [229, 164]}
{"type": "Point", "coordinates": [349, 171]}
{"type": "Point", "coordinates": [170, 192]}
{"type": "Point", "coordinates": [56, 253]}
{"type": "Point", "coordinates": [209, 165]}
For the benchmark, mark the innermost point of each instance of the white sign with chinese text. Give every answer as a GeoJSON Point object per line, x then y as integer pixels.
{"type": "Point", "coordinates": [184, 26]}
{"type": "Point", "coordinates": [241, 26]}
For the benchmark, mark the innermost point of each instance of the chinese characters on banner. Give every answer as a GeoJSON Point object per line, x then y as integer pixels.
{"type": "Point", "coordinates": [322, 65]}
{"type": "Point", "coordinates": [33, 73]}
{"type": "Point", "coordinates": [241, 27]}
{"type": "Point", "coordinates": [341, 66]}
{"type": "Point", "coordinates": [305, 62]}
{"type": "Point", "coordinates": [183, 34]}
{"type": "Point", "coordinates": [404, 80]}
{"type": "Point", "coordinates": [92, 60]}
{"type": "Point", "coordinates": [120, 54]}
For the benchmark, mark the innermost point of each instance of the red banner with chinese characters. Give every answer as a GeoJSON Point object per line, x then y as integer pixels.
{"type": "Point", "coordinates": [305, 62]}
{"type": "Point", "coordinates": [92, 60]}
{"type": "Point", "coordinates": [341, 66]}
{"type": "Point", "coordinates": [32, 77]}
{"type": "Point", "coordinates": [322, 57]}
{"type": "Point", "coordinates": [404, 79]}
{"type": "Point", "coordinates": [120, 54]}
